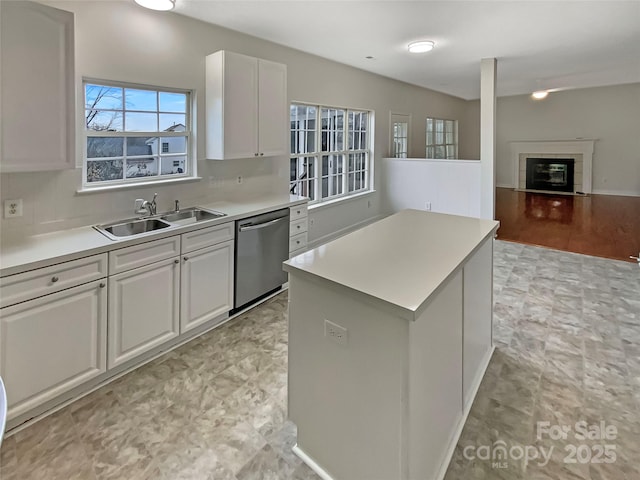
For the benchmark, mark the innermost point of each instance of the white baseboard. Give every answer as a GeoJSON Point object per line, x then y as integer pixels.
{"type": "Point", "coordinates": [623, 193]}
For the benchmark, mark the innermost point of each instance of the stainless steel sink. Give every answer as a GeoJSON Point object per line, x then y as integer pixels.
{"type": "Point", "coordinates": [128, 228]}
{"type": "Point", "coordinates": [191, 215]}
{"type": "Point", "coordinates": [145, 226]}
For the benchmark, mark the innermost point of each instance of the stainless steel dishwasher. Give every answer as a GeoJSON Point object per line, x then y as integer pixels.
{"type": "Point", "coordinates": [262, 244]}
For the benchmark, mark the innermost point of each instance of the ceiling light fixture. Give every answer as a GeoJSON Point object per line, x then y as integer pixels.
{"type": "Point", "coordinates": [162, 5]}
{"type": "Point", "coordinates": [421, 46]}
{"type": "Point", "coordinates": [540, 94]}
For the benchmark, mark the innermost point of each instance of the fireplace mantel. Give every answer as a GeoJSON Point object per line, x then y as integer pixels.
{"type": "Point", "coordinates": [551, 148]}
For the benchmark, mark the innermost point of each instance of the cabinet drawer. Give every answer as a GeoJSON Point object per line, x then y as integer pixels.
{"type": "Point", "coordinates": [207, 236]}
{"type": "Point", "coordinates": [298, 226]}
{"type": "Point", "coordinates": [297, 242]}
{"type": "Point", "coordinates": [297, 212]}
{"type": "Point", "coordinates": [143, 254]}
{"type": "Point", "coordinates": [25, 286]}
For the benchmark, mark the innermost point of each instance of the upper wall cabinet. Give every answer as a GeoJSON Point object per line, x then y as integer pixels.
{"type": "Point", "coordinates": [247, 111]}
{"type": "Point", "coordinates": [37, 87]}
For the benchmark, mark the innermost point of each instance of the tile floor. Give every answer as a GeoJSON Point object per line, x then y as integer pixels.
{"type": "Point", "coordinates": [567, 332]}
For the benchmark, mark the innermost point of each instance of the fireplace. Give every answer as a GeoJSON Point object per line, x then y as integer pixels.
{"type": "Point", "coordinates": [580, 150]}
{"type": "Point", "coordinates": [550, 174]}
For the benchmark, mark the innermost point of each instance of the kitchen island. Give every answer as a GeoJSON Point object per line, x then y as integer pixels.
{"type": "Point", "coordinates": [389, 337]}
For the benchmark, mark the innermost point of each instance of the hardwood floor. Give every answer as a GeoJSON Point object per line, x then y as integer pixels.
{"type": "Point", "coordinates": [599, 225]}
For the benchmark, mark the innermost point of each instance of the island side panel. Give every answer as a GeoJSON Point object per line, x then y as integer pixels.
{"type": "Point", "coordinates": [346, 400]}
{"type": "Point", "coordinates": [478, 319]}
{"type": "Point", "coordinates": [435, 381]}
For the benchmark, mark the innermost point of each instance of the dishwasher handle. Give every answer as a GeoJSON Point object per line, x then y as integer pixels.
{"type": "Point", "coordinates": [246, 228]}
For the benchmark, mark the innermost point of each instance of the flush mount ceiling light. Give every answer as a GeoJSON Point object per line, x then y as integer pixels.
{"type": "Point", "coordinates": [421, 47]}
{"type": "Point", "coordinates": [540, 94]}
{"type": "Point", "coordinates": [162, 5]}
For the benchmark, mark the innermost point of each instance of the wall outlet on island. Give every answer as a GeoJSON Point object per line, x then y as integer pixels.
{"type": "Point", "coordinates": [335, 332]}
{"type": "Point", "coordinates": [427, 206]}
{"type": "Point", "coordinates": [13, 208]}
{"type": "Point", "coordinates": [239, 178]}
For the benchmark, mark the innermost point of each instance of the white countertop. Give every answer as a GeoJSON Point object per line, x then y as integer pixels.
{"type": "Point", "coordinates": [400, 260]}
{"type": "Point", "coordinates": [38, 251]}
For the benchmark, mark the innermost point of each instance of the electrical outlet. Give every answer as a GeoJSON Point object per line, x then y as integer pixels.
{"type": "Point", "coordinates": [239, 178]}
{"type": "Point", "coordinates": [335, 332]}
{"type": "Point", "coordinates": [13, 208]}
{"type": "Point", "coordinates": [427, 206]}
{"type": "Point", "coordinates": [368, 203]}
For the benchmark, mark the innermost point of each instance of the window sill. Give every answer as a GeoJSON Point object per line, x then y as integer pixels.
{"type": "Point", "coordinates": [329, 203]}
{"type": "Point", "coordinates": [128, 186]}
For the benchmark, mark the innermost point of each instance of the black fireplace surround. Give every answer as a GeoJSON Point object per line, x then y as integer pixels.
{"type": "Point", "coordinates": [551, 174]}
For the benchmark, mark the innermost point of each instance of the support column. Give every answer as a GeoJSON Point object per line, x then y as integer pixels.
{"type": "Point", "coordinates": [488, 137]}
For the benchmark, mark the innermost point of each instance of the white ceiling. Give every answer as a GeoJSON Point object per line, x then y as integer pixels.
{"type": "Point", "coordinates": [539, 44]}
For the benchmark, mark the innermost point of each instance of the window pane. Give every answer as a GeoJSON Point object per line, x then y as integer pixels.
{"type": "Point", "coordinates": [142, 167]}
{"type": "Point", "coordinates": [104, 170]}
{"type": "Point", "coordinates": [103, 121]}
{"type": "Point", "coordinates": [173, 145]}
{"type": "Point", "coordinates": [102, 97]}
{"type": "Point", "coordinates": [440, 151]}
{"type": "Point", "coordinates": [141, 122]}
{"type": "Point", "coordinates": [172, 122]}
{"type": "Point", "coordinates": [105, 147]}
{"type": "Point", "coordinates": [142, 146]}
{"type": "Point", "coordinates": [173, 102]}
{"type": "Point", "coordinates": [145, 100]}
{"type": "Point", "coordinates": [173, 165]}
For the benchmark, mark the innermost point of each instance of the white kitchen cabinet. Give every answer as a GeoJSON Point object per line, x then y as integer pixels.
{"type": "Point", "coordinates": [37, 87]}
{"type": "Point", "coordinates": [246, 106]}
{"type": "Point", "coordinates": [52, 344]}
{"type": "Point", "coordinates": [478, 319]}
{"type": "Point", "coordinates": [206, 284]}
{"type": "Point", "coordinates": [298, 226]}
{"type": "Point", "coordinates": [144, 308]}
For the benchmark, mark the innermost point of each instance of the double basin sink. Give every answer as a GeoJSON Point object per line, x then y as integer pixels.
{"type": "Point", "coordinates": [140, 226]}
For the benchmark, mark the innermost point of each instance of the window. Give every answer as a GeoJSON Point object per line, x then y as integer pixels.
{"type": "Point", "coordinates": [400, 127]}
{"type": "Point", "coordinates": [330, 151]}
{"type": "Point", "coordinates": [135, 134]}
{"type": "Point", "coordinates": [442, 138]}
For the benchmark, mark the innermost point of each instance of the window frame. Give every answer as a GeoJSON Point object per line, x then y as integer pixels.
{"type": "Point", "coordinates": [395, 140]}
{"type": "Point", "coordinates": [190, 164]}
{"type": "Point", "coordinates": [444, 144]}
{"type": "Point", "coordinates": [313, 182]}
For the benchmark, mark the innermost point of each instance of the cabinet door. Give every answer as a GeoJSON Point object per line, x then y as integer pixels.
{"type": "Point", "coordinates": [143, 309]}
{"type": "Point", "coordinates": [232, 105]}
{"type": "Point", "coordinates": [478, 319]}
{"type": "Point", "coordinates": [207, 285]}
{"type": "Point", "coordinates": [37, 87]}
{"type": "Point", "coordinates": [52, 344]}
{"type": "Point", "coordinates": [273, 119]}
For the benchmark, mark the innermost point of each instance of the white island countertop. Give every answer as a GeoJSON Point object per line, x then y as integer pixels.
{"type": "Point", "coordinates": [397, 262]}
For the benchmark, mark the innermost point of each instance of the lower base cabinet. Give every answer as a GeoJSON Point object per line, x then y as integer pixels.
{"type": "Point", "coordinates": [206, 284]}
{"type": "Point", "coordinates": [144, 309]}
{"type": "Point", "coordinates": [52, 344]}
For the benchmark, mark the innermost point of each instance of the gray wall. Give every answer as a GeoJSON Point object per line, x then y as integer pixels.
{"type": "Point", "coordinates": [609, 114]}
{"type": "Point", "coordinates": [123, 42]}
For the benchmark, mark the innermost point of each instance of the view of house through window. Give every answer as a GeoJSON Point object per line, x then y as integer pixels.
{"type": "Point", "coordinates": [135, 134]}
{"type": "Point", "coordinates": [330, 151]}
{"type": "Point", "coordinates": [442, 138]}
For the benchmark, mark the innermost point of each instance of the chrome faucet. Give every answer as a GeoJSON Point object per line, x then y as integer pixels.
{"type": "Point", "coordinates": [148, 207]}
